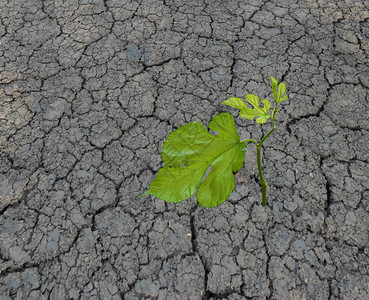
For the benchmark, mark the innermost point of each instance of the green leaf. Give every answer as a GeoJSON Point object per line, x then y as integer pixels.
{"type": "Point", "coordinates": [248, 113]}
{"type": "Point", "coordinates": [267, 105]}
{"type": "Point", "coordinates": [274, 88]}
{"type": "Point", "coordinates": [224, 124]}
{"type": "Point", "coordinates": [174, 184]}
{"type": "Point", "coordinates": [281, 90]}
{"type": "Point", "coordinates": [262, 113]}
{"type": "Point", "coordinates": [184, 143]}
{"type": "Point", "coordinates": [220, 182]}
{"type": "Point", "coordinates": [235, 102]}
{"type": "Point", "coordinates": [188, 153]}
{"type": "Point", "coordinates": [283, 99]}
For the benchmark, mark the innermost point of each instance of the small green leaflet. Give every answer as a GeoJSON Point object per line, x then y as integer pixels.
{"type": "Point", "coordinates": [274, 87]}
{"type": "Point", "coordinates": [281, 90]}
{"type": "Point", "coordinates": [248, 113]}
{"type": "Point", "coordinates": [188, 153]}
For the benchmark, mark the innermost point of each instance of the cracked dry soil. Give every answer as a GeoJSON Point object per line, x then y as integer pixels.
{"type": "Point", "coordinates": [89, 90]}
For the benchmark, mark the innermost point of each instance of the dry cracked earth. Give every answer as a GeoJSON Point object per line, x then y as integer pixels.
{"type": "Point", "coordinates": [89, 91]}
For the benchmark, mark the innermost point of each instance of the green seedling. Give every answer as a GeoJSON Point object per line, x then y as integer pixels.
{"type": "Point", "coordinates": [190, 151]}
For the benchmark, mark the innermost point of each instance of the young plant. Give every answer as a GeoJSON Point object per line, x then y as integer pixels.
{"type": "Point", "coordinates": [191, 150]}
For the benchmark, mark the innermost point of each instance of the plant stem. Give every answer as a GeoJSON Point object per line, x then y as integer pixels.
{"type": "Point", "coordinates": [268, 134]}
{"type": "Point", "coordinates": [263, 183]}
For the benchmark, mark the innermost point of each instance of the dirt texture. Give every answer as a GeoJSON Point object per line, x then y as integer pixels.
{"type": "Point", "coordinates": [90, 89]}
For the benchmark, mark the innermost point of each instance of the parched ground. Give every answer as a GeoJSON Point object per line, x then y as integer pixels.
{"type": "Point", "coordinates": [90, 89]}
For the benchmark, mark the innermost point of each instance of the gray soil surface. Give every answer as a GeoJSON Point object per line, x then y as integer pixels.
{"type": "Point", "coordinates": [90, 89]}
